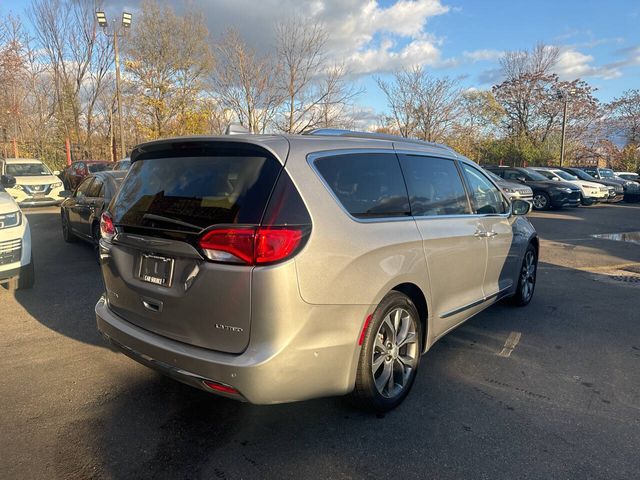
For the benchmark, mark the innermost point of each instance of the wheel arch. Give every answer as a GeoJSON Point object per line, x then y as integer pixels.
{"type": "Point", "coordinates": [419, 299]}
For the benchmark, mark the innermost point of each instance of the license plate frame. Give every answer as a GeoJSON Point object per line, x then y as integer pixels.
{"type": "Point", "coordinates": [156, 269]}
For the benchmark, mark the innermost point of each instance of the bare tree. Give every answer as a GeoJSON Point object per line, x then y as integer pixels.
{"type": "Point", "coordinates": [421, 105]}
{"type": "Point", "coordinates": [245, 83]}
{"type": "Point", "coordinates": [625, 116]}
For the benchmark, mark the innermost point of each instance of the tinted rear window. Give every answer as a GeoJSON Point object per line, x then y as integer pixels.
{"type": "Point", "coordinates": [192, 193]}
{"type": "Point", "coordinates": [98, 167]}
{"type": "Point", "coordinates": [368, 185]}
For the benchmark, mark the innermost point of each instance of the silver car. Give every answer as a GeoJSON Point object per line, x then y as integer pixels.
{"type": "Point", "coordinates": [270, 268]}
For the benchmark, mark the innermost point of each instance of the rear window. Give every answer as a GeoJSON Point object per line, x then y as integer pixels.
{"type": "Point", "coordinates": [192, 193]}
{"type": "Point", "coordinates": [98, 167]}
{"type": "Point", "coordinates": [368, 185]}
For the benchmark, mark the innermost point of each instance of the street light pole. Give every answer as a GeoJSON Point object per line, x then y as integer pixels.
{"type": "Point", "coordinates": [115, 49]}
{"type": "Point", "coordinates": [126, 23]}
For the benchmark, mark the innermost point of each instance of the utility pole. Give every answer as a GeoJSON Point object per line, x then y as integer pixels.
{"type": "Point", "coordinates": [115, 34]}
{"type": "Point", "coordinates": [564, 126]}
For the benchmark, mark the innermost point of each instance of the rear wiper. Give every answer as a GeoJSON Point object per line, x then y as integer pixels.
{"type": "Point", "coordinates": [160, 218]}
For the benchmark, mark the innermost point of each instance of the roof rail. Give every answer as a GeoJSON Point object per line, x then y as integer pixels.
{"type": "Point", "coordinates": [236, 129]}
{"type": "Point", "coordinates": [337, 132]}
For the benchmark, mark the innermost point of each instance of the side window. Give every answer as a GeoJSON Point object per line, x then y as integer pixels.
{"type": "Point", "coordinates": [83, 189]}
{"type": "Point", "coordinates": [96, 187]}
{"type": "Point", "coordinates": [485, 195]}
{"type": "Point", "coordinates": [435, 186]}
{"type": "Point", "coordinates": [512, 175]}
{"type": "Point", "coordinates": [368, 185]}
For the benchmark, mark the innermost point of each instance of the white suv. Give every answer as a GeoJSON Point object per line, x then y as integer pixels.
{"type": "Point", "coordinates": [590, 192]}
{"type": "Point", "coordinates": [35, 184]}
{"type": "Point", "coordinates": [16, 261]}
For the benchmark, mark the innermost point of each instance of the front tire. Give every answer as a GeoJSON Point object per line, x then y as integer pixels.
{"type": "Point", "coordinates": [390, 355]}
{"type": "Point", "coordinates": [26, 278]}
{"type": "Point", "coordinates": [541, 201]}
{"type": "Point", "coordinates": [526, 277]}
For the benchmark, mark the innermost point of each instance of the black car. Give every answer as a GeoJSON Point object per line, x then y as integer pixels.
{"type": "Point", "coordinates": [546, 193]}
{"type": "Point", "coordinates": [631, 189]}
{"type": "Point", "coordinates": [80, 212]}
{"type": "Point", "coordinates": [72, 175]}
{"type": "Point", "coordinates": [616, 190]}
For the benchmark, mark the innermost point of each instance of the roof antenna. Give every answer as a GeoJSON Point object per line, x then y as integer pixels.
{"type": "Point", "coordinates": [236, 129]}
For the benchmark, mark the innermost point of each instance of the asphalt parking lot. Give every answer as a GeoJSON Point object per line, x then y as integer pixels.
{"type": "Point", "coordinates": [565, 403]}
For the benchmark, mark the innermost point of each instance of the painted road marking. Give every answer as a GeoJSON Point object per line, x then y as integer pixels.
{"type": "Point", "coordinates": [510, 344]}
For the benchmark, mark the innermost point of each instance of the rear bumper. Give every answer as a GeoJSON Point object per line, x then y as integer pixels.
{"type": "Point", "coordinates": [319, 360]}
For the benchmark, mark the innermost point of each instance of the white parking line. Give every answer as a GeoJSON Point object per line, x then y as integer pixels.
{"type": "Point", "coordinates": [510, 344]}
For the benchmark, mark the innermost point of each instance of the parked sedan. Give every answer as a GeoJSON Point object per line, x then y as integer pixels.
{"type": "Point", "coordinates": [616, 191]}
{"type": "Point", "coordinates": [546, 193]}
{"type": "Point", "coordinates": [590, 192]}
{"type": "Point", "coordinates": [80, 212]}
{"type": "Point", "coordinates": [122, 165]}
{"type": "Point", "coordinates": [515, 191]}
{"type": "Point", "coordinates": [634, 177]}
{"type": "Point", "coordinates": [74, 173]}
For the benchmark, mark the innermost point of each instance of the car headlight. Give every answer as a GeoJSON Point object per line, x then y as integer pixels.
{"type": "Point", "coordinates": [568, 190]}
{"type": "Point", "coordinates": [56, 185]}
{"type": "Point", "coordinates": [12, 219]}
{"type": "Point", "coordinates": [508, 190]}
{"type": "Point", "coordinates": [17, 186]}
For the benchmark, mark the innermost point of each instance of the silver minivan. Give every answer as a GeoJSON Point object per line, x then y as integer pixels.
{"type": "Point", "coordinates": [274, 268]}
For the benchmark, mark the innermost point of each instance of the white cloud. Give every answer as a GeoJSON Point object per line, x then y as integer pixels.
{"type": "Point", "coordinates": [574, 64]}
{"type": "Point", "coordinates": [483, 55]}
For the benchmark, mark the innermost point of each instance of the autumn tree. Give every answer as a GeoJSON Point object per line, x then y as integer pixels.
{"type": "Point", "coordinates": [168, 62]}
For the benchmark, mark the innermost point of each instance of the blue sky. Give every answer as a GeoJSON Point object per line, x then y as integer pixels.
{"type": "Point", "coordinates": [599, 41]}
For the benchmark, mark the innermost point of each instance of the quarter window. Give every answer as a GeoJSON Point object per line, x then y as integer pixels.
{"type": "Point", "coordinates": [83, 189]}
{"type": "Point", "coordinates": [368, 185]}
{"type": "Point", "coordinates": [435, 186]}
{"type": "Point", "coordinates": [485, 195]}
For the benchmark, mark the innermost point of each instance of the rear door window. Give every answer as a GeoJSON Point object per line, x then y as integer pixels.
{"type": "Point", "coordinates": [435, 186]}
{"type": "Point", "coordinates": [96, 188]}
{"type": "Point", "coordinates": [193, 193]}
{"type": "Point", "coordinates": [84, 188]}
{"type": "Point", "coordinates": [368, 185]}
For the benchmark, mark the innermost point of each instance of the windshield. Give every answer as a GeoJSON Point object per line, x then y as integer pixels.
{"type": "Point", "coordinates": [546, 173]}
{"type": "Point", "coordinates": [582, 175]}
{"type": "Point", "coordinates": [565, 175]}
{"type": "Point", "coordinates": [26, 169]}
{"type": "Point", "coordinates": [607, 173]}
{"type": "Point", "coordinates": [535, 176]}
{"type": "Point", "coordinates": [494, 177]}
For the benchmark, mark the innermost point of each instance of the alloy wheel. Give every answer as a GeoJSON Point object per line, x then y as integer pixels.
{"type": "Point", "coordinates": [528, 275]}
{"type": "Point", "coordinates": [395, 353]}
{"type": "Point", "coordinates": [539, 201]}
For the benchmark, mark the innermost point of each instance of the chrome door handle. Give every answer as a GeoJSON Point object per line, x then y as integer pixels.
{"type": "Point", "coordinates": [480, 234]}
{"type": "Point", "coordinates": [490, 234]}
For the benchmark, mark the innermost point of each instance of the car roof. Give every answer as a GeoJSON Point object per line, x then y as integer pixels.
{"type": "Point", "coordinates": [21, 160]}
{"type": "Point", "coordinates": [316, 141]}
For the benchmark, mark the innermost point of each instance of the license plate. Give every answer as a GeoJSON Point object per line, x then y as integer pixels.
{"type": "Point", "coordinates": [157, 270]}
{"type": "Point", "coordinates": [38, 195]}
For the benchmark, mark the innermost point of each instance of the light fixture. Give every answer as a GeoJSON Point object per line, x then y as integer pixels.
{"type": "Point", "coordinates": [126, 19]}
{"type": "Point", "coordinates": [102, 19]}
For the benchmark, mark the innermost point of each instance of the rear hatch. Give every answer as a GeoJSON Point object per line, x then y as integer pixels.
{"type": "Point", "coordinates": [156, 276]}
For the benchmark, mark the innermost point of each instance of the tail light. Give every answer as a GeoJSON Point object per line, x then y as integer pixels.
{"type": "Point", "coordinates": [251, 246]}
{"type": "Point", "coordinates": [107, 230]}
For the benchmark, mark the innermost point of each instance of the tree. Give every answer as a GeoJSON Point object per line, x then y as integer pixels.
{"type": "Point", "coordinates": [625, 116]}
{"type": "Point", "coordinates": [246, 84]}
{"type": "Point", "coordinates": [169, 59]}
{"type": "Point", "coordinates": [421, 105]}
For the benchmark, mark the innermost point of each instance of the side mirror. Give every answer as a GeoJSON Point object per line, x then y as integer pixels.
{"type": "Point", "coordinates": [65, 193]}
{"type": "Point", "coordinates": [8, 181]}
{"type": "Point", "coordinates": [556, 179]}
{"type": "Point", "coordinates": [521, 179]}
{"type": "Point", "coordinates": [56, 172]}
{"type": "Point", "coordinates": [520, 207]}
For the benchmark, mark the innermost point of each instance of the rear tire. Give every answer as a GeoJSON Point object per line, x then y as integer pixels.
{"type": "Point", "coordinates": [526, 278]}
{"type": "Point", "coordinates": [67, 234]}
{"type": "Point", "coordinates": [390, 355]}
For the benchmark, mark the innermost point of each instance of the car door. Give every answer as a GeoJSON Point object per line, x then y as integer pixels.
{"type": "Point", "coordinates": [78, 210]}
{"type": "Point", "coordinates": [92, 204]}
{"type": "Point", "coordinates": [456, 254]}
{"type": "Point", "coordinates": [493, 211]}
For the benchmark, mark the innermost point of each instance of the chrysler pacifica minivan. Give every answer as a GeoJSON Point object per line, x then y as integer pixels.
{"type": "Point", "coordinates": [271, 268]}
